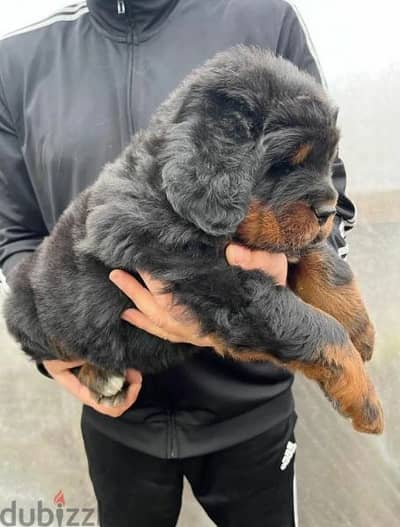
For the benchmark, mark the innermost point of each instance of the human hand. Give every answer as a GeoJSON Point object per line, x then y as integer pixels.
{"type": "Point", "coordinates": [273, 264]}
{"type": "Point", "coordinates": [61, 373]}
{"type": "Point", "coordinates": [157, 313]}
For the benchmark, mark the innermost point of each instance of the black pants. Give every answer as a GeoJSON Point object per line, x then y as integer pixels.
{"type": "Point", "coordinates": [247, 485]}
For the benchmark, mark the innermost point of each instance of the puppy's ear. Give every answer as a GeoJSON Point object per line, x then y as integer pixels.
{"type": "Point", "coordinates": [208, 167]}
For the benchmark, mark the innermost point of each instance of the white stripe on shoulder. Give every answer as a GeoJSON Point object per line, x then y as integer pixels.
{"type": "Point", "coordinates": [69, 13]}
{"type": "Point", "coordinates": [310, 43]}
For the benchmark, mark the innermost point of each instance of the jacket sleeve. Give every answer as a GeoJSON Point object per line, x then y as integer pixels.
{"type": "Point", "coordinates": [21, 224]}
{"type": "Point", "coordinates": [295, 45]}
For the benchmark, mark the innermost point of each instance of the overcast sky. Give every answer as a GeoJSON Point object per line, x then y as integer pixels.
{"type": "Point", "coordinates": [350, 35]}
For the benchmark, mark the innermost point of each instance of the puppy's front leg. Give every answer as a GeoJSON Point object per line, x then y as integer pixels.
{"type": "Point", "coordinates": [253, 319]}
{"type": "Point", "coordinates": [341, 376]}
{"type": "Point", "coordinates": [324, 280]}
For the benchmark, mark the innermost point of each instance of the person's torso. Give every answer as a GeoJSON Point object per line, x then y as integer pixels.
{"type": "Point", "coordinates": [83, 86]}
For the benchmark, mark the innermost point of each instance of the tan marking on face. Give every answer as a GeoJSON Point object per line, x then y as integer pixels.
{"type": "Point", "coordinates": [260, 227]}
{"type": "Point", "coordinates": [326, 229]}
{"type": "Point", "coordinates": [299, 225]}
{"type": "Point", "coordinates": [301, 154]}
{"type": "Point", "coordinates": [294, 227]}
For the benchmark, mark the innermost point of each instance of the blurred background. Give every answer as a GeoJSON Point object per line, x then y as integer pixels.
{"type": "Point", "coordinates": [344, 478]}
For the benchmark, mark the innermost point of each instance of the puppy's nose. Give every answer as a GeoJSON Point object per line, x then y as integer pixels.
{"type": "Point", "coordinates": [324, 212]}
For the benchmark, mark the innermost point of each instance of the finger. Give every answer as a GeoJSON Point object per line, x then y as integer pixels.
{"type": "Point", "coordinates": [133, 376]}
{"type": "Point", "coordinates": [142, 298]}
{"type": "Point", "coordinates": [249, 260]}
{"type": "Point", "coordinates": [116, 411]}
{"type": "Point", "coordinates": [179, 314]}
{"type": "Point", "coordinates": [126, 282]}
{"type": "Point", "coordinates": [237, 255]}
{"type": "Point", "coordinates": [132, 394]}
{"type": "Point", "coordinates": [138, 319]}
{"type": "Point", "coordinates": [264, 261]}
{"type": "Point", "coordinates": [57, 366]}
{"type": "Point", "coordinates": [273, 264]}
{"type": "Point", "coordinates": [72, 384]}
{"type": "Point", "coordinates": [73, 363]}
{"type": "Point", "coordinates": [157, 306]}
{"type": "Point", "coordinates": [157, 288]}
{"type": "Point", "coordinates": [183, 330]}
{"type": "Point", "coordinates": [174, 323]}
{"type": "Point", "coordinates": [153, 284]}
{"type": "Point", "coordinates": [141, 321]}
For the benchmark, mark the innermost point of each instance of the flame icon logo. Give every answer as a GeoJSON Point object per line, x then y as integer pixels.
{"type": "Point", "coordinates": [59, 498]}
{"type": "Point", "coordinates": [59, 501]}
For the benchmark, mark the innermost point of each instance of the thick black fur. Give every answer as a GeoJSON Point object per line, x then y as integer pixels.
{"type": "Point", "coordinates": [169, 205]}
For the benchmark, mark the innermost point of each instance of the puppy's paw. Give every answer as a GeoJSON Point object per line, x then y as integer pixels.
{"type": "Point", "coordinates": [368, 417]}
{"type": "Point", "coordinates": [112, 392]}
{"type": "Point", "coordinates": [343, 378]}
{"type": "Point", "coordinates": [364, 340]}
{"type": "Point", "coordinates": [356, 396]}
{"type": "Point", "coordinates": [106, 387]}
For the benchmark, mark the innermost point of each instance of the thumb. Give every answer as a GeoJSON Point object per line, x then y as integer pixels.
{"type": "Point", "coordinates": [133, 376]}
{"type": "Point", "coordinates": [238, 255]}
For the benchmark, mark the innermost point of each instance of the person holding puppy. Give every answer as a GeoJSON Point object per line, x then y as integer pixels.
{"type": "Point", "coordinates": [73, 89]}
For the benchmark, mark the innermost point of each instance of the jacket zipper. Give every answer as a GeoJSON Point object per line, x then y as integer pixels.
{"type": "Point", "coordinates": [172, 447]}
{"type": "Point", "coordinates": [132, 42]}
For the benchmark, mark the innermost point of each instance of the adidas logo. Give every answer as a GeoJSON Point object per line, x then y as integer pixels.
{"type": "Point", "coordinates": [289, 453]}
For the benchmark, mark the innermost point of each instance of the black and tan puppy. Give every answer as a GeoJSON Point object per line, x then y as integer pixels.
{"type": "Point", "coordinates": [242, 150]}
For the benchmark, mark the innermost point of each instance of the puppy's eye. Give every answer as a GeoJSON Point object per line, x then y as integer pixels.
{"type": "Point", "coordinates": [283, 168]}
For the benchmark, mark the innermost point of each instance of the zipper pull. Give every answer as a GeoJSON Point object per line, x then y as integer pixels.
{"type": "Point", "coordinates": [121, 7]}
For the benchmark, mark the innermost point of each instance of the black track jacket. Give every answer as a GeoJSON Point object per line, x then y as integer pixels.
{"type": "Point", "coordinates": [73, 89]}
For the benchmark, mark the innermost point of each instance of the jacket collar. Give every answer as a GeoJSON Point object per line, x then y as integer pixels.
{"type": "Point", "coordinates": [134, 20]}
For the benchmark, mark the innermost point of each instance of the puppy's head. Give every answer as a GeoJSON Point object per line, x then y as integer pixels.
{"type": "Point", "coordinates": [249, 152]}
